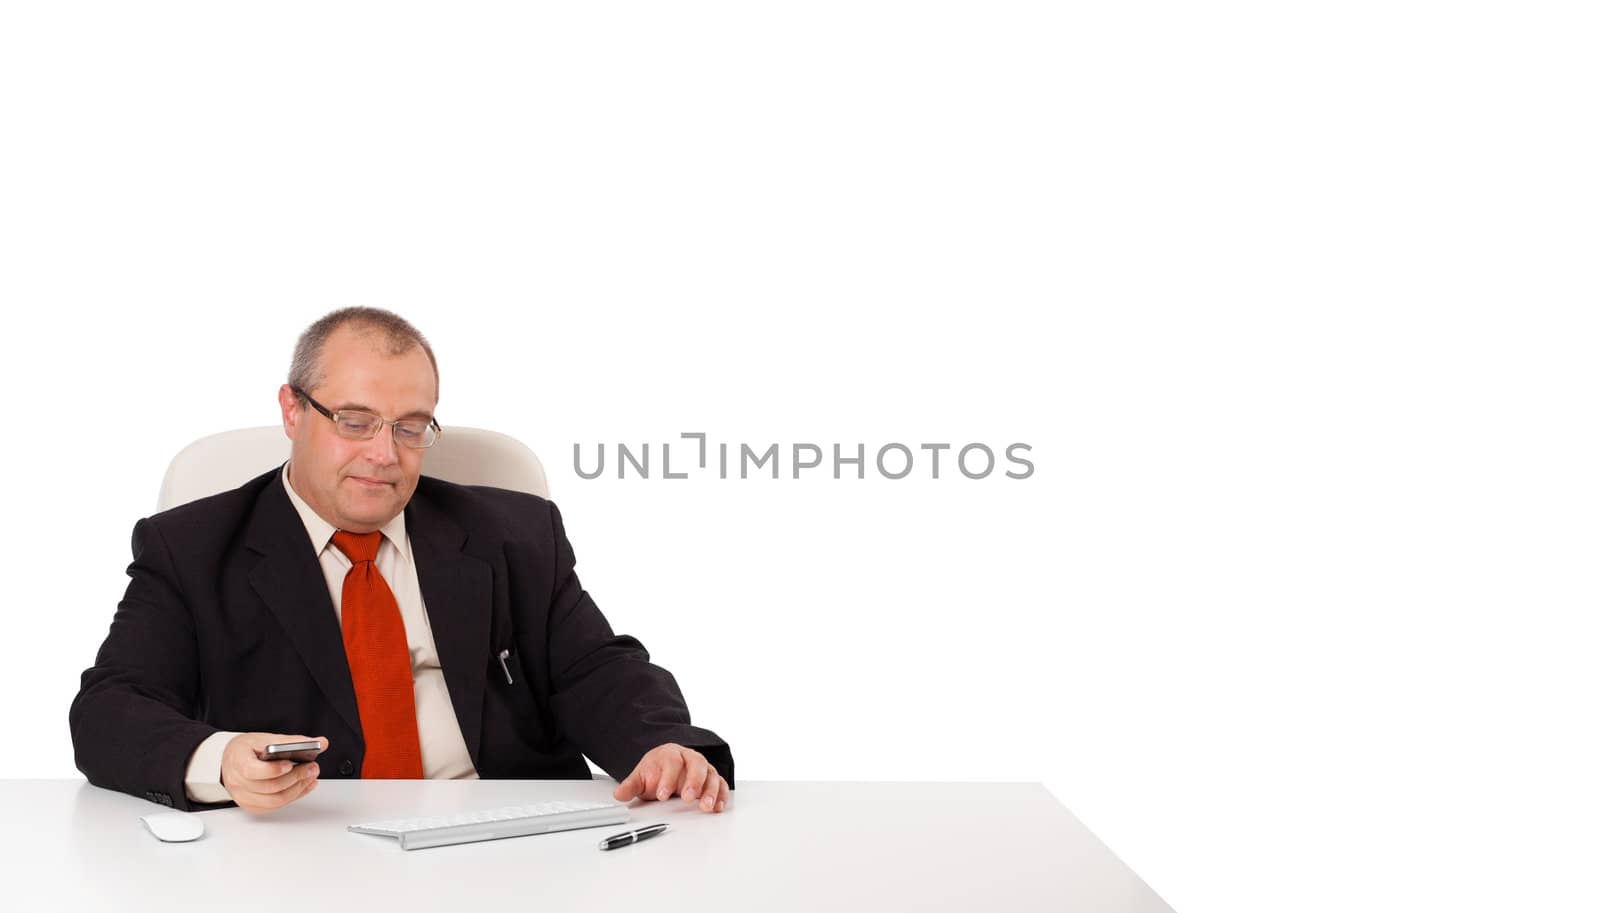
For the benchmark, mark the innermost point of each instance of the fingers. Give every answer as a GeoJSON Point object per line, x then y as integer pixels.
{"type": "Point", "coordinates": [629, 788]}
{"type": "Point", "coordinates": [257, 769]}
{"type": "Point", "coordinates": [701, 781]}
{"type": "Point", "coordinates": [716, 788]}
{"type": "Point", "coordinates": [694, 775]}
{"type": "Point", "coordinates": [257, 785]}
{"type": "Point", "coordinates": [266, 795]}
{"type": "Point", "coordinates": [269, 801]}
{"type": "Point", "coordinates": [290, 779]}
{"type": "Point", "coordinates": [671, 768]}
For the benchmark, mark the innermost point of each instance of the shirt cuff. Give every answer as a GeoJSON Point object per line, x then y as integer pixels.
{"type": "Point", "coordinates": [202, 781]}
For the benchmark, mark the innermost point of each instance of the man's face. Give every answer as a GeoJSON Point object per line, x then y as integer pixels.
{"type": "Point", "coordinates": [358, 486]}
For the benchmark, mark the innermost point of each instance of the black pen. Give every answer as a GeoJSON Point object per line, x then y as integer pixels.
{"type": "Point", "coordinates": [643, 833]}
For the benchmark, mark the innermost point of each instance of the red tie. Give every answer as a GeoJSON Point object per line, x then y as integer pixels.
{"type": "Point", "coordinates": [380, 664]}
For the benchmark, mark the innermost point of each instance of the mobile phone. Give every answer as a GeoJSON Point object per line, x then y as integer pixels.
{"type": "Point", "coordinates": [298, 752]}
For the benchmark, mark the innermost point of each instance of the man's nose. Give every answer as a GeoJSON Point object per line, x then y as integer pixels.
{"type": "Point", "coordinates": [382, 449]}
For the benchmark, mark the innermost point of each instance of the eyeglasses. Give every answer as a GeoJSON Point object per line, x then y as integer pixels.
{"type": "Point", "coordinates": [357, 425]}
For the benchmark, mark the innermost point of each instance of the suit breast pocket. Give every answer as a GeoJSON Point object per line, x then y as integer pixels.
{"type": "Point", "coordinates": [507, 658]}
{"type": "Point", "coordinates": [513, 705]}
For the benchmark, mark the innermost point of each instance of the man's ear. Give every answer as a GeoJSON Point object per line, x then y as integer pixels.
{"type": "Point", "coordinates": [290, 405]}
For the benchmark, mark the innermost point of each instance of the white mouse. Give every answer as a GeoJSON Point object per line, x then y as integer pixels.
{"type": "Point", "coordinates": [175, 827]}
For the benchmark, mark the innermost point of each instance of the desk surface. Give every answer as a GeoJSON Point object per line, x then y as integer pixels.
{"type": "Point", "coordinates": [779, 846]}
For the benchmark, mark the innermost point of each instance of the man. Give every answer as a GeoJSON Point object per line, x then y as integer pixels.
{"type": "Point", "coordinates": [416, 627]}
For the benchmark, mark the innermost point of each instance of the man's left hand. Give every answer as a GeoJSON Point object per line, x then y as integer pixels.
{"type": "Point", "coordinates": [669, 770]}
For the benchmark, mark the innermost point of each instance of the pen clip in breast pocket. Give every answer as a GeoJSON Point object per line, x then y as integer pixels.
{"type": "Point", "coordinates": [505, 656]}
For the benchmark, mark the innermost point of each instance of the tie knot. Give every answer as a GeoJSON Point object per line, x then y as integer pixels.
{"type": "Point", "coordinates": [358, 547]}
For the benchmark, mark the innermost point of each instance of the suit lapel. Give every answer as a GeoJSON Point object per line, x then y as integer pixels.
{"type": "Point", "coordinates": [458, 592]}
{"type": "Point", "coordinates": [289, 580]}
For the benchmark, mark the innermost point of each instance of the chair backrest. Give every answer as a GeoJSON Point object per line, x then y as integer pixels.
{"type": "Point", "coordinates": [466, 456]}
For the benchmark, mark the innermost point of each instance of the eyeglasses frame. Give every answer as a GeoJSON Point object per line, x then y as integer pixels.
{"type": "Point", "coordinates": [334, 417]}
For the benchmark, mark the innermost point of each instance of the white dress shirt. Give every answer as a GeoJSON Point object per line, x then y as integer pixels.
{"type": "Point", "coordinates": [444, 751]}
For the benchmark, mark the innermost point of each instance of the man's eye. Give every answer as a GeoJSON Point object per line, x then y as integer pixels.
{"type": "Point", "coordinates": [356, 425]}
{"type": "Point", "coordinates": [412, 432]}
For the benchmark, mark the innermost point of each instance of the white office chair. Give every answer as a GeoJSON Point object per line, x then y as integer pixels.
{"type": "Point", "coordinates": [466, 456]}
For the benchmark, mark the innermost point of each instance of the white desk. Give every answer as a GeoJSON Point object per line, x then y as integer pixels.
{"type": "Point", "coordinates": [780, 846]}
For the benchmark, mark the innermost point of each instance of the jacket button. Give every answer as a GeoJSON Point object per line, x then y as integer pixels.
{"type": "Point", "coordinates": [347, 767]}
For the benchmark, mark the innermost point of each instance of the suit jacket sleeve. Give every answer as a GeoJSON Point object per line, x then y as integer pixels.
{"type": "Point", "coordinates": [131, 721]}
{"type": "Point", "coordinates": [607, 696]}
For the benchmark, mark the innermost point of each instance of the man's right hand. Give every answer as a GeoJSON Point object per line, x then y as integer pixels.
{"type": "Point", "coordinates": [261, 786]}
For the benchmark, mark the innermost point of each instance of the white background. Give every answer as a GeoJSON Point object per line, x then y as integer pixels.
{"type": "Point", "coordinates": [1294, 303]}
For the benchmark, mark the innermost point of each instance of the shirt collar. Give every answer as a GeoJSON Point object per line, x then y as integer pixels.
{"type": "Point", "coordinates": [321, 531]}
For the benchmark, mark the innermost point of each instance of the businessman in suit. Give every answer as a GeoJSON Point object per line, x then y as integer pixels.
{"type": "Point", "coordinates": [414, 627]}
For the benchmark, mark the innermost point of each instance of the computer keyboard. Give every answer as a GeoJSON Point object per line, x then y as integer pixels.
{"type": "Point", "coordinates": [495, 823]}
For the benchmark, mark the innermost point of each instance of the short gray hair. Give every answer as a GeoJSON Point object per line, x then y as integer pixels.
{"type": "Point", "coordinates": [393, 332]}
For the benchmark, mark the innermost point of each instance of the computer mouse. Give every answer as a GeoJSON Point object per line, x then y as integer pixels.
{"type": "Point", "coordinates": [175, 827]}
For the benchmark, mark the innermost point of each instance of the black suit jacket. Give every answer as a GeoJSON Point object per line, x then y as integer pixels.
{"type": "Point", "coordinates": [227, 624]}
